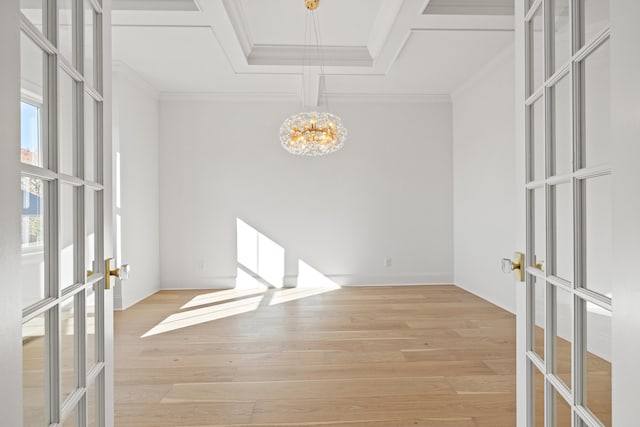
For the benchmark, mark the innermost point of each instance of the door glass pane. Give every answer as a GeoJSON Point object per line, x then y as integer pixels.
{"type": "Point", "coordinates": [539, 313]}
{"type": "Point", "coordinates": [538, 397]}
{"type": "Point", "coordinates": [91, 329]}
{"type": "Point", "coordinates": [536, 53]}
{"type": "Point", "coordinates": [598, 362]}
{"type": "Point", "coordinates": [563, 314]}
{"type": "Point", "coordinates": [91, 404]}
{"type": "Point", "coordinates": [88, 43]}
{"type": "Point", "coordinates": [72, 419]}
{"type": "Point", "coordinates": [90, 227]}
{"type": "Point", "coordinates": [562, 34]}
{"type": "Point", "coordinates": [67, 347]}
{"type": "Point", "coordinates": [562, 139]}
{"type": "Point", "coordinates": [34, 11]}
{"type": "Point", "coordinates": [65, 28]}
{"type": "Point", "coordinates": [563, 411]}
{"type": "Point", "coordinates": [67, 122]}
{"type": "Point", "coordinates": [34, 351]}
{"type": "Point", "coordinates": [33, 230]}
{"type": "Point", "coordinates": [599, 234]}
{"type": "Point", "coordinates": [537, 139]}
{"type": "Point", "coordinates": [597, 121]}
{"type": "Point", "coordinates": [596, 18]}
{"type": "Point", "coordinates": [32, 60]}
{"type": "Point", "coordinates": [67, 235]}
{"type": "Point", "coordinates": [540, 239]}
{"type": "Point", "coordinates": [563, 217]}
{"type": "Point", "coordinates": [89, 138]}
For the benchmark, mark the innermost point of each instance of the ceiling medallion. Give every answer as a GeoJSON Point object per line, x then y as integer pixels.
{"type": "Point", "coordinates": [313, 133]}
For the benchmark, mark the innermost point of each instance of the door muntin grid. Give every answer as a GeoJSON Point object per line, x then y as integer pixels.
{"type": "Point", "coordinates": [62, 309]}
{"type": "Point", "coordinates": [569, 302]}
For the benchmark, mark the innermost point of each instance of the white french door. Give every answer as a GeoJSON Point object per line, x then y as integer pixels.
{"type": "Point", "coordinates": [65, 310]}
{"type": "Point", "coordinates": [567, 305]}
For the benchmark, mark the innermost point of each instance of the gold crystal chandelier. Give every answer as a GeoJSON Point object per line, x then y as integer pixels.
{"type": "Point", "coordinates": [313, 133]}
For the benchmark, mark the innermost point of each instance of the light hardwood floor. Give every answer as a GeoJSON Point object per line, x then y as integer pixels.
{"type": "Point", "coordinates": [370, 356]}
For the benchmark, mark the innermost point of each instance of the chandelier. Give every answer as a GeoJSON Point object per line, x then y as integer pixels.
{"type": "Point", "coordinates": [313, 133]}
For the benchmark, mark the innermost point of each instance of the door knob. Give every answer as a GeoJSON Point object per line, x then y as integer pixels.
{"type": "Point", "coordinates": [121, 273]}
{"type": "Point", "coordinates": [517, 266]}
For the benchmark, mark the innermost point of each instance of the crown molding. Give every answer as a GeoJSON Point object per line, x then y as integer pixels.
{"type": "Point", "coordinates": [388, 98]}
{"type": "Point", "coordinates": [120, 68]}
{"type": "Point", "coordinates": [154, 5]}
{"type": "Point", "coordinates": [239, 97]}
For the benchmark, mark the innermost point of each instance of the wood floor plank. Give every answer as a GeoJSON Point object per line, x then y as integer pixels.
{"type": "Point", "coordinates": [433, 356]}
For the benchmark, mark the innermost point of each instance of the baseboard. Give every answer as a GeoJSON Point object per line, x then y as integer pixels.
{"type": "Point", "coordinates": [484, 297]}
{"type": "Point", "coordinates": [229, 282]}
{"type": "Point", "coordinates": [117, 301]}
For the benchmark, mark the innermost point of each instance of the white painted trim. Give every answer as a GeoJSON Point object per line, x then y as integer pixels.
{"type": "Point", "coordinates": [341, 56]}
{"type": "Point", "coordinates": [462, 23]}
{"type": "Point", "coordinates": [130, 18]}
{"type": "Point", "coordinates": [153, 5]}
{"type": "Point", "coordinates": [228, 282]}
{"type": "Point", "coordinates": [121, 69]}
{"type": "Point", "coordinates": [117, 302]}
{"type": "Point", "coordinates": [484, 297]}
{"type": "Point", "coordinates": [470, 8]}
{"type": "Point", "coordinates": [229, 97]}
{"type": "Point", "coordinates": [396, 98]}
{"type": "Point", "coordinates": [383, 25]}
{"type": "Point", "coordinates": [238, 19]}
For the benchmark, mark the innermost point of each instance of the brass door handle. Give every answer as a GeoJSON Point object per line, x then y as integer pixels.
{"type": "Point", "coordinates": [517, 266]}
{"type": "Point", "coordinates": [121, 273]}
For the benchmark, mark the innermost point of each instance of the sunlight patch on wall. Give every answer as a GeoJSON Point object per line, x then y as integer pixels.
{"type": "Point", "coordinates": [259, 254]}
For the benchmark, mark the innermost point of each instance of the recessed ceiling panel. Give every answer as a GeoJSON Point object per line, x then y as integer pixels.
{"type": "Point", "coordinates": [432, 62]}
{"type": "Point", "coordinates": [183, 59]}
{"type": "Point", "coordinates": [469, 7]}
{"type": "Point", "coordinates": [283, 22]}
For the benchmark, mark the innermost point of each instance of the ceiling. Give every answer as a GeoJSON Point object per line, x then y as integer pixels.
{"type": "Point", "coordinates": [371, 47]}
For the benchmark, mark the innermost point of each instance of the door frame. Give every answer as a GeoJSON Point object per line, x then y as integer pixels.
{"type": "Point", "coordinates": [10, 239]}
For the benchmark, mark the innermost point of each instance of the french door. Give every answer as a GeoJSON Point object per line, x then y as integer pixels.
{"type": "Point", "coordinates": [66, 319]}
{"type": "Point", "coordinates": [566, 315]}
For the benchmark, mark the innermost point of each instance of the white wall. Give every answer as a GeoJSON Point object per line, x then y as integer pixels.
{"type": "Point", "coordinates": [135, 124]}
{"type": "Point", "coordinates": [386, 194]}
{"type": "Point", "coordinates": [484, 181]}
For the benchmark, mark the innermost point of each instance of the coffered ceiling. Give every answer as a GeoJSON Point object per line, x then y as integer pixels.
{"type": "Point", "coordinates": [374, 47]}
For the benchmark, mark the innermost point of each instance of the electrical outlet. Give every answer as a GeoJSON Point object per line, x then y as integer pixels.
{"type": "Point", "coordinates": [388, 261]}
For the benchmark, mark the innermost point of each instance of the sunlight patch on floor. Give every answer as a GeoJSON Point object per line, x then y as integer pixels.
{"type": "Point", "coordinates": [202, 315]}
